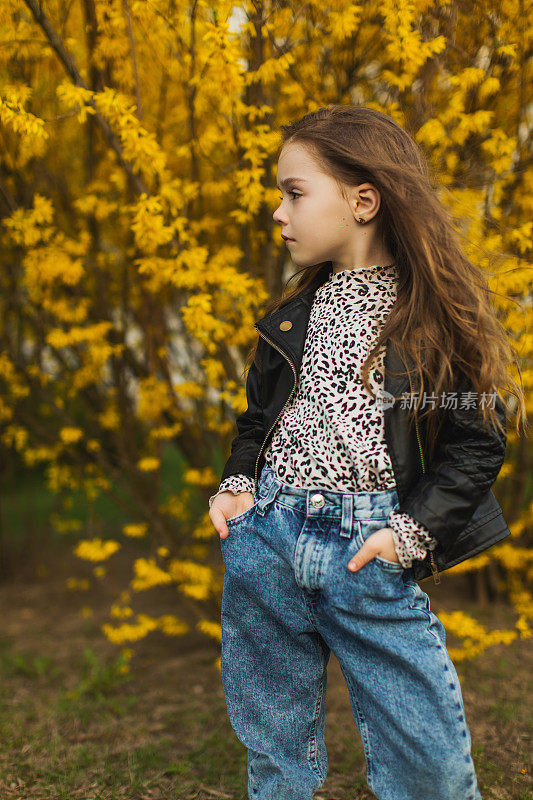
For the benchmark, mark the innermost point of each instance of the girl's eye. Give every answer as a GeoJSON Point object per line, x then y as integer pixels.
{"type": "Point", "coordinates": [295, 195]}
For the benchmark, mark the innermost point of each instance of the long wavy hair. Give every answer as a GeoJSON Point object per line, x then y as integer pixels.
{"type": "Point", "coordinates": [442, 317]}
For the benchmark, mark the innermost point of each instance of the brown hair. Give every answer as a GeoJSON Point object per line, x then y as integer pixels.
{"type": "Point", "coordinates": [442, 318]}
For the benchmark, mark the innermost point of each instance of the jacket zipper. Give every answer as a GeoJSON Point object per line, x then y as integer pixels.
{"type": "Point", "coordinates": [284, 405]}
{"type": "Point", "coordinates": [432, 564]}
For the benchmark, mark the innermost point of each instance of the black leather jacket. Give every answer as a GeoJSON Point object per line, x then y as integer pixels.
{"type": "Point", "coordinates": [451, 495]}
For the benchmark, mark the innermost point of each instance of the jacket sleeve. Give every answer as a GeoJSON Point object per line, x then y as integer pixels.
{"type": "Point", "coordinates": [465, 464]}
{"type": "Point", "coordinates": [250, 425]}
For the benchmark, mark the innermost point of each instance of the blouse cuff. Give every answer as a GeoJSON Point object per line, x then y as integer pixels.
{"type": "Point", "coordinates": [235, 483]}
{"type": "Point", "coordinates": [411, 539]}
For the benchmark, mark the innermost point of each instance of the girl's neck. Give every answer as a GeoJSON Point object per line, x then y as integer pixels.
{"type": "Point", "coordinates": [362, 269]}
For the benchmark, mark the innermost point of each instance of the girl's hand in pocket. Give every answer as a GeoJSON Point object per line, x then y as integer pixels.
{"type": "Point", "coordinates": [379, 543]}
{"type": "Point", "coordinates": [227, 505]}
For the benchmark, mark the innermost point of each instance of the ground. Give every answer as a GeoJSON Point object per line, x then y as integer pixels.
{"type": "Point", "coordinates": [73, 726]}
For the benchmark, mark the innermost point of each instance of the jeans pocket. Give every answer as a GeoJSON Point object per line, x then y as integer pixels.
{"type": "Point", "coordinates": [365, 528]}
{"type": "Point", "coordinates": [245, 514]}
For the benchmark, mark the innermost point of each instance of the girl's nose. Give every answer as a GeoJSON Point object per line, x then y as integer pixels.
{"type": "Point", "coordinates": [278, 217]}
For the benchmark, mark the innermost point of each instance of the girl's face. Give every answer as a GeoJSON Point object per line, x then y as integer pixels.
{"type": "Point", "coordinates": [318, 219]}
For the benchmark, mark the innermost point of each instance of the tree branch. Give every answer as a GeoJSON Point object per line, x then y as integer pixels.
{"type": "Point", "coordinates": [70, 66]}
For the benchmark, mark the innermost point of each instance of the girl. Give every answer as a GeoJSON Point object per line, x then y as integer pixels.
{"type": "Point", "coordinates": [342, 489]}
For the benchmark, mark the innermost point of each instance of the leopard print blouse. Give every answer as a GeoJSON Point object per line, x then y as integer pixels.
{"type": "Point", "coordinates": [331, 434]}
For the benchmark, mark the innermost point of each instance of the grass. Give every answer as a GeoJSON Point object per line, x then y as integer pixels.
{"type": "Point", "coordinates": [75, 724]}
{"type": "Point", "coordinates": [84, 734]}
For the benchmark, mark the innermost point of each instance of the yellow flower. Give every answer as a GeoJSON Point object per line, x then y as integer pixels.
{"type": "Point", "coordinates": [148, 464]}
{"type": "Point", "coordinates": [212, 629]}
{"type": "Point", "coordinates": [172, 626]}
{"type": "Point", "coordinates": [148, 574]}
{"type": "Point", "coordinates": [121, 612]}
{"type": "Point", "coordinates": [130, 632]}
{"type": "Point", "coordinates": [139, 529]}
{"type": "Point", "coordinates": [96, 549]}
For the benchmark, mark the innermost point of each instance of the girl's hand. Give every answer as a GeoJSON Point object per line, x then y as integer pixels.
{"type": "Point", "coordinates": [379, 543]}
{"type": "Point", "coordinates": [227, 505]}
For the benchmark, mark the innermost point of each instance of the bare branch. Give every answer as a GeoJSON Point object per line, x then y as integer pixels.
{"type": "Point", "coordinates": [134, 59]}
{"type": "Point", "coordinates": [72, 70]}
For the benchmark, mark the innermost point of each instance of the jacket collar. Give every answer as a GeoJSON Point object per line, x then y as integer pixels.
{"type": "Point", "coordinates": [291, 342]}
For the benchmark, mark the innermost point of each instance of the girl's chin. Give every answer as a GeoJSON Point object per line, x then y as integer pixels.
{"type": "Point", "coordinates": [299, 258]}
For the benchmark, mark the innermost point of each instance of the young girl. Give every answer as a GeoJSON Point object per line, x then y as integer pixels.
{"type": "Point", "coordinates": [363, 463]}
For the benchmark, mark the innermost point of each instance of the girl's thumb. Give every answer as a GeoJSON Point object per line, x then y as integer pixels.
{"type": "Point", "coordinates": [219, 522]}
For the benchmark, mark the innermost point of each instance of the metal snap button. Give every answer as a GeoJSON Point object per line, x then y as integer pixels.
{"type": "Point", "coordinates": [318, 500]}
{"type": "Point", "coordinates": [286, 325]}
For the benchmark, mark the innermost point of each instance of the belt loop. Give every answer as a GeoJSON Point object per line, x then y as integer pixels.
{"type": "Point", "coordinates": [347, 515]}
{"type": "Point", "coordinates": [264, 502]}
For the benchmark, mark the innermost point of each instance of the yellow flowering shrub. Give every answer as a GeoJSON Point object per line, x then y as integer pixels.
{"type": "Point", "coordinates": [475, 637]}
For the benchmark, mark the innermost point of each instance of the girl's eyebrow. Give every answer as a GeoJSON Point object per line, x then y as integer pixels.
{"type": "Point", "coordinates": [286, 181]}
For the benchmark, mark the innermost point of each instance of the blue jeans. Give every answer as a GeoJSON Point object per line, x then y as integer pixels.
{"type": "Point", "coordinates": [288, 599]}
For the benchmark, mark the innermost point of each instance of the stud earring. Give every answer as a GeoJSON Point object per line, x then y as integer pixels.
{"type": "Point", "coordinates": [360, 219]}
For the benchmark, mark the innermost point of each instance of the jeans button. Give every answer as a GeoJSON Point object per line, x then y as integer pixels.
{"type": "Point", "coordinates": [317, 500]}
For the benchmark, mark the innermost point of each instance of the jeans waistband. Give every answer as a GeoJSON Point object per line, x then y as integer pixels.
{"type": "Point", "coordinates": [317, 502]}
